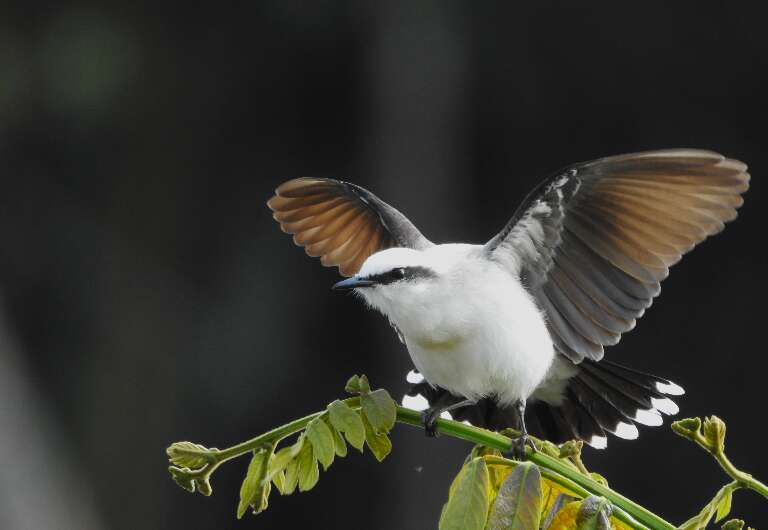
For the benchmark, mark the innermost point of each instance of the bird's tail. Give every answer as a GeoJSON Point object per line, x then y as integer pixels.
{"type": "Point", "coordinates": [600, 398]}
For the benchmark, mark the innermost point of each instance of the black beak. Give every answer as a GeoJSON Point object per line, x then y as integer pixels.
{"type": "Point", "coordinates": [352, 283]}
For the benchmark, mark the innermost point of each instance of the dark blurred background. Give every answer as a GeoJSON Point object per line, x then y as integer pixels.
{"type": "Point", "coordinates": [147, 296]}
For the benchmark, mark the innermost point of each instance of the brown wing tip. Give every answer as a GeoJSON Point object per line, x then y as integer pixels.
{"type": "Point", "coordinates": [271, 203]}
{"type": "Point", "coordinates": [303, 186]}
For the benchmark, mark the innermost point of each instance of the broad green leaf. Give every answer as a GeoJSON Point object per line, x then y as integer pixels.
{"type": "Point", "coordinates": [594, 514]}
{"type": "Point", "coordinates": [187, 454]}
{"type": "Point", "coordinates": [724, 505]}
{"type": "Point", "coordinates": [339, 445]}
{"type": "Point", "coordinates": [281, 459]}
{"type": "Point", "coordinates": [467, 507]}
{"type": "Point", "coordinates": [380, 410]}
{"type": "Point", "coordinates": [291, 477]}
{"type": "Point", "coordinates": [379, 444]}
{"type": "Point", "coordinates": [254, 491]}
{"type": "Point", "coordinates": [309, 473]}
{"type": "Point", "coordinates": [321, 438]}
{"type": "Point", "coordinates": [348, 421]}
{"type": "Point", "coordinates": [518, 503]}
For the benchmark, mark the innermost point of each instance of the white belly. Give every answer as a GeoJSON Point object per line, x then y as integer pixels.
{"type": "Point", "coordinates": [478, 339]}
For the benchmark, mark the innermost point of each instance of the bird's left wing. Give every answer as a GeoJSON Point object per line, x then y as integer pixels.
{"type": "Point", "coordinates": [340, 222]}
{"type": "Point", "coordinates": [593, 242]}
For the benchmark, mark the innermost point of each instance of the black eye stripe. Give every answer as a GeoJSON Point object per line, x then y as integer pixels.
{"type": "Point", "coordinates": [401, 273]}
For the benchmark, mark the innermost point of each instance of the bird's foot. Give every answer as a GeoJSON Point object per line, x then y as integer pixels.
{"type": "Point", "coordinates": [429, 421]}
{"type": "Point", "coordinates": [516, 449]}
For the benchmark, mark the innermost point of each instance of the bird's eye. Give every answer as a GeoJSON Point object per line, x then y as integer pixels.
{"type": "Point", "coordinates": [398, 273]}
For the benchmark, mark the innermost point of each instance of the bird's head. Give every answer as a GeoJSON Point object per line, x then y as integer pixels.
{"type": "Point", "coordinates": [391, 275]}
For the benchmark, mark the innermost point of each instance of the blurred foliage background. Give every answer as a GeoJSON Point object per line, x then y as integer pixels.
{"type": "Point", "coordinates": [146, 295]}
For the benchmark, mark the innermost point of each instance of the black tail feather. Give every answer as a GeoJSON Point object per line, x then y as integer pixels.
{"type": "Point", "coordinates": [602, 397]}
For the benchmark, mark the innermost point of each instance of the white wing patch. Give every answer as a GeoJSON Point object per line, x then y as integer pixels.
{"type": "Point", "coordinates": [598, 442]}
{"type": "Point", "coordinates": [665, 405]}
{"type": "Point", "coordinates": [414, 377]}
{"type": "Point", "coordinates": [670, 388]}
{"type": "Point", "coordinates": [650, 417]}
{"type": "Point", "coordinates": [417, 402]}
{"type": "Point", "coordinates": [628, 431]}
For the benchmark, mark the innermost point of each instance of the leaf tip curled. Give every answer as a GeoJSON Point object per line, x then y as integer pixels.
{"type": "Point", "coordinates": [571, 448]}
{"type": "Point", "coordinates": [687, 428]}
{"type": "Point", "coordinates": [183, 477]}
{"type": "Point", "coordinates": [714, 433]}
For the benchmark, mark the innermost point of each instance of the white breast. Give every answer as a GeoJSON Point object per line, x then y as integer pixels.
{"type": "Point", "coordinates": [474, 330]}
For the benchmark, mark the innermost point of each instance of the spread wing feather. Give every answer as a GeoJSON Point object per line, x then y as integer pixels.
{"type": "Point", "coordinates": [593, 242]}
{"type": "Point", "coordinates": [341, 223]}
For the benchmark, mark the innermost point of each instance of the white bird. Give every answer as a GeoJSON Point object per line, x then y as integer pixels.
{"type": "Point", "coordinates": [524, 318]}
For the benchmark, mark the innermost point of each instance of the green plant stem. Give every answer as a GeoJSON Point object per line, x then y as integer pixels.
{"type": "Point", "coordinates": [742, 479]}
{"type": "Point", "coordinates": [563, 475]}
{"type": "Point", "coordinates": [220, 456]}
{"type": "Point", "coordinates": [503, 443]}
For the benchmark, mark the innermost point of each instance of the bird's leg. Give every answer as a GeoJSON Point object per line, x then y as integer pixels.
{"type": "Point", "coordinates": [517, 448]}
{"type": "Point", "coordinates": [446, 402]}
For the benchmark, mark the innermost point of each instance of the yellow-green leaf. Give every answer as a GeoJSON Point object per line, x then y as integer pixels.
{"type": "Point", "coordinates": [188, 454]}
{"type": "Point", "coordinates": [379, 444]}
{"type": "Point", "coordinates": [321, 438]}
{"type": "Point", "coordinates": [733, 524]}
{"type": "Point", "coordinates": [467, 507]}
{"type": "Point", "coordinates": [358, 384]}
{"type": "Point", "coordinates": [278, 479]}
{"type": "Point", "coordinates": [339, 445]}
{"type": "Point", "coordinates": [518, 502]}
{"type": "Point", "coordinates": [554, 504]}
{"type": "Point", "coordinates": [724, 505]}
{"type": "Point", "coordinates": [280, 460]}
{"type": "Point", "coordinates": [291, 477]}
{"type": "Point", "coordinates": [348, 421]}
{"type": "Point", "coordinates": [309, 473]}
{"type": "Point", "coordinates": [254, 491]}
{"type": "Point", "coordinates": [380, 409]}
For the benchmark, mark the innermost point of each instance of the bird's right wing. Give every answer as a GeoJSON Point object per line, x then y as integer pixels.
{"type": "Point", "coordinates": [593, 242]}
{"type": "Point", "coordinates": [341, 222]}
